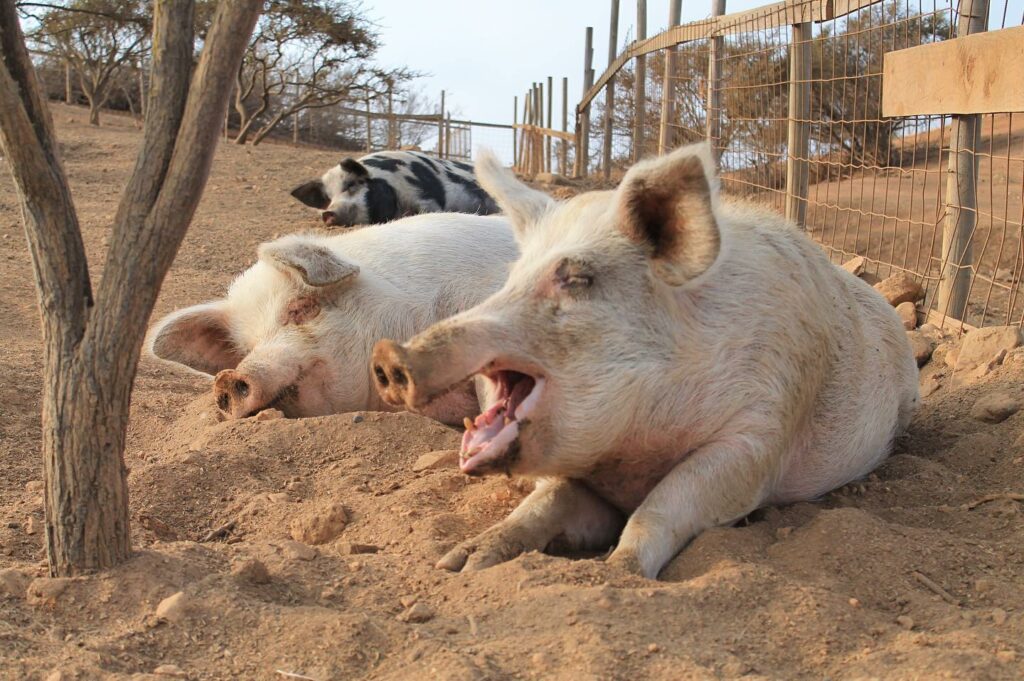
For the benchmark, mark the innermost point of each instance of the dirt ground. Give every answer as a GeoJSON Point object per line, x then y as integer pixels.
{"type": "Point", "coordinates": [909, 574]}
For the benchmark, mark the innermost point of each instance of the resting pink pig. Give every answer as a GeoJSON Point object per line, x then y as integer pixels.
{"type": "Point", "coordinates": [661, 363]}
{"type": "Point", "coordinates": [296, 329]}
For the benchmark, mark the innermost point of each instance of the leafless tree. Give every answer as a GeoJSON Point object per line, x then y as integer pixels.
{"type": "Point", "coordinates": [98, 38]}
{"type": "Point", "coordinates": [91, 343]}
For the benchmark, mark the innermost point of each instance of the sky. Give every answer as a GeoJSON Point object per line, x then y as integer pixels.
{"type": "Point", "coordinates": [484, 52]}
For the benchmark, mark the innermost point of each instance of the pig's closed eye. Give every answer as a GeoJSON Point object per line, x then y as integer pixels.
{"type": "Point", "coordinates": [573, 275]}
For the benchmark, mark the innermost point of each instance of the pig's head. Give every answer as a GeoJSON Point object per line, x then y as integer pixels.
{"type": "Point", "coordinates": [574, 345]}
{"type": "Point", "coordinates": [291, 334]}
{"type": "Point", "coordinates": [347, 195]}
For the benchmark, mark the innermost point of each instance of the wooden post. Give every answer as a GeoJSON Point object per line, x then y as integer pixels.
{"type": "Point", "coordinates": [563, 146]}
{"type": "Point", "coordinates": [640, 84]}
{"type": "Point", "coordinates": [609, 96]}
{"type": "Point", "coordinates": [67, 81]}
{"type": "Point", "coordinates": [547, 138]}
{"type": "Point", "coordinates": [665, 137]}
{"type": "Point", "coordinates": [961, 188]}
{"type": "Point", "coordinates": [515, 121]}
{"type": "Point", "coordinates": [142, 91]}
{"type": "Point", "coordinates": [391, 115]}
{"type": "Point", "coordinates": [539, 123]}
{"type": "Point", "coordinates": [369, 126]}
{"type": "Point", "coordinates": [799, 124]}
{"type": "Point", "coordinates": [522, 134]}
{"type": "Point", "coordinates": [448, 136]}
{"type": "Point", "coordinates": [714, 104]}
{"type": "Point", "coordinates": [440, 129]}
{"type": "Point", "coordinates": [583, 127]}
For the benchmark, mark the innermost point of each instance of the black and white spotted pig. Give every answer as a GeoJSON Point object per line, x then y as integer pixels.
{"type": "Point", "coordinates": [387, 185]}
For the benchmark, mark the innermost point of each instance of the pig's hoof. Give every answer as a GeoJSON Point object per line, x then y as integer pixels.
{"type": "Point", "coordinates": [488, 549]}
{"type": "Point", "coordinates": [626, 560]}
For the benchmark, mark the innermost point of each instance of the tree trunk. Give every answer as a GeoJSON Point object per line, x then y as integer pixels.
{"type": "Point", "coordinates": [91, 349]}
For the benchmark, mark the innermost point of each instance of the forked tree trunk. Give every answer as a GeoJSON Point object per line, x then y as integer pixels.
{"type": "Point", "coordinates": [91, 346]}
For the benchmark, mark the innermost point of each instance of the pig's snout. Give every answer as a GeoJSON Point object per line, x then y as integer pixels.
{"type": "Point", "coordinates": [328, 217]}
{"type": "Point", "coordinates": [391, 373]}
{"type": "Point", "coordinates": [236, 394]}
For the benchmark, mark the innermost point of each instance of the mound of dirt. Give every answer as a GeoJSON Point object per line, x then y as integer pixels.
{"type": "Point", "coordinates": [915, 572]}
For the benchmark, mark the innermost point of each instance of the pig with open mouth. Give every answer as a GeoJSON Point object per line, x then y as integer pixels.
{"type": "Point", "coordinates": [661, 362]}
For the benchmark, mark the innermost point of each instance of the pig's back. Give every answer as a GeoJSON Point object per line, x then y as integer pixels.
{"type": "Point", "coordinates": [866, 374]}
{"type": "Point", "coordinates": [430, 254]}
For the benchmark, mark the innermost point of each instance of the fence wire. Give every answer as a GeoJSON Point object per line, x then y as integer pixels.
{"type": "Point", "coordinates": [877, 185]}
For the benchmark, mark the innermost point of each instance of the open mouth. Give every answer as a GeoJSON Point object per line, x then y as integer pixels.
{"type": "Point", "coordinates": [493, 437]}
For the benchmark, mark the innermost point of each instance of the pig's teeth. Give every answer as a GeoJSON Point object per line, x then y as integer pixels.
{"type": "Point", "coordinates": [508, 419]}
{"type": "Point", "coordinates": [467, 422]}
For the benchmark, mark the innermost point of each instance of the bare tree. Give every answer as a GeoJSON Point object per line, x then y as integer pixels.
{"type": "Point", "coordinates": [303, 54]}
{"type": "Point", "coordinates": [92, 343]}
{"type": "Point", "coordinates": [98, 38]}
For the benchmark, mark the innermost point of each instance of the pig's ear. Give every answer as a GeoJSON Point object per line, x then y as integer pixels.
{"type": "Point", "coordinates": [198, 337]}
{"type": "Point", "coordinates": [312, 194]}
{"type": "Point", "coordinates": [668, 204]}
{"type": "Point", "coordinates": [314, 264]}
{"type": "Point", "coordinates": [350, 165]}
{"type": "Point", "coordinates": [523, 205]}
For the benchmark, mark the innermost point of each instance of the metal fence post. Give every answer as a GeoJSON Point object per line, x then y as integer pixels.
{"type": "Point", "coordinates": [583, 127]}
{"type": "Point", "coordinates": [665, 141]}
{"type": "Point", "coordinates": [714, 107]}
{"type": "Point", "coordinates": [799, 131]}
{"type": "Point", "coordinates": [640, 84]}
{"type": "Point", "coordinates": [609, 97]}
{"type": "Point", "coordinates": [961, 188]}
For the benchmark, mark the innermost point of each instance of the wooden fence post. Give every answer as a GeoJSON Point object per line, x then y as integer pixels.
{"type": "Point", "coordinates": [369, 126]}
{"type": "Point", "coordinates": [440, 129]}
{"type": "Point", "coordinates": [609, 97]}
{"type": "Point", "coordinates": [640, 85]}
{"type": "Point", "coordinates": [515, 122]}
{"type": "Point", "coordinates": [563, 146]}
{"type": "Point", "coordinates": [665, 137]}
{"type": "Point", "coordinates": [547, 138]}
{"type": "Point", "coordinates": [583, 126]}
{"type": "Point", "coordinates": [540, 123]}
{"type": "Point", "coordinates": [714, 107]}
{"type": "Point", "coordinates": [961, 188]}
{"type": "Point", "coordinates": [67, 82]}
{"type": "Point", "coordinates": [522, 134]}
{"type": "Point", "coordinates": [799, 124]}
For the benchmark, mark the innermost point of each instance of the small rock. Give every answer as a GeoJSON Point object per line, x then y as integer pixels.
{"type": "Point", "coordinates": [269, 415]}
{"type": "Point", "coordinates": [294, 550]}
{"type": "Point", "coordinates": [921, 346]}
{"type": "Point", "coordinates": [442, 458]}
{"type": "Point", "coordinates": [250, 570]}
{"type": "Point", "coordinates": [929, 386]}
{"type": "Point", "coordinates": [900, 288]}
{"type": "Point", "coordinates": [855, 266]}
{"type": "Point", "coordinates": [908, 315]}
{"type": "Point", "coordinates": [354, 549]}
{"type": "Point", "coordinates": [417, 613]}
{"type": "Point", "coordinates": [854, 603]}
{"type": "Point", "coordinates": [279, 497]}
{"type": "Point", "coordinates": [408, 601]}
{"type": "Point", "coordinates": [951, 355]}
{"type": "Point", "coordinates": [358, 418]}
{"type": "Point", "coordinates": [13, 582]}
{"type": "Point", "coordinates": [995, 407]}
{"type": "Point", "coordinates": [32, 526]}
{"type": "Point", "coordinates": [46, 590]}
{"type": "Point", "coordinates": [34, 486]}
{"type": "Point", "coordinates": [320, 525]}
{"type": "Point", "coordinates": [653, 647]}
{"type": "Point", "coordinates": [174, 608]}
{"type": "Point", "coordinates": [169, 670]}
{"type": "Point", "coordinates": [984, 349]}
{"type": "Point", "coordinates": [905, 621]}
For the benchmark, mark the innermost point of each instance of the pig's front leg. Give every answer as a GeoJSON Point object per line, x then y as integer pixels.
{"type": "Point", "coordinates": [717, 484]}
{"type": "Point", "coordinates": [556, 509]}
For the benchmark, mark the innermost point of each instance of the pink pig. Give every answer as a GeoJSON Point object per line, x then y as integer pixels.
{"type": "Point", "coordinates": [661, 362]}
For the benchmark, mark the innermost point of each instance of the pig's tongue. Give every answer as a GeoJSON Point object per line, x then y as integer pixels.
{"type": "Point", "coordinates": [493, 432]}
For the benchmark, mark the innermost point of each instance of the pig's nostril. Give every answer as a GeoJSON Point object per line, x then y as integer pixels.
{"type": "Point", "coordinates": [223, 401]}
{"type": "Point", "coordinates": [242, 388]}
{"type": "Point", "coordinates": [327, 217]}
{"type": "Point", "coordinates": [382, 377]}
{"type": "Point", "coordinates": [399, 377]}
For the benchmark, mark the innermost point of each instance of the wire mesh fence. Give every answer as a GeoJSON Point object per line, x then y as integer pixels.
{"type": "Point", "coordinates": [876, 185]}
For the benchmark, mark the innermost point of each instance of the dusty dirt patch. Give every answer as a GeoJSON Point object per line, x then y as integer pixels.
{"type": "Point", "coordinates": [916, 572]}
